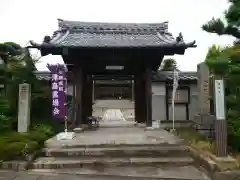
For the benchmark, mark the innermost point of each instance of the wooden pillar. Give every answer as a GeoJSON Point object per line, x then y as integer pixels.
{"type": "Point", "coordinates": [220, 122]}
{"type": "Point", "coordinates": [93, 90]}
{"type": "Point", "coordinates": [132, 89]}
{"type": "Point", "coordinates": [143, 98]}
{"type": "Point", "coordinates": [73, 115]}
{"type": "Point", "coordinates": [89, 95]}
{"type": "Point", "coordinates": [140, 100]}
{"type": "Point", "coordinates": [136, 98]}
{"type": "Point", "coordinates": [84, 98]}
{"type": "Point", "coordinates": [148, 96]}
{"type": "Point", "coordinates": [78, 76]}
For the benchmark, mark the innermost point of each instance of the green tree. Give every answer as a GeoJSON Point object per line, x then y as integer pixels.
{"type": "Point", "coordinates": [232, 25]}
{"type": "Point", "coordinates": [225, 62]}
{"type": "Point", "coordinates": [169, 65]}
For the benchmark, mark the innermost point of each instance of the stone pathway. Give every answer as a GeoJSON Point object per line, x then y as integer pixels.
{"type": "Point", "coordinates": [116, 153]}
{"type": "Point", "coordinates": [187, 173]}
{"type": "Point", "coordinates": [141, 172]}
{"type": "Point", "coordinates": [113, 115]}
{"type": "Point", "coordinates": [117, 136]}
{"type": "Point", "coordinates": [12, 175]}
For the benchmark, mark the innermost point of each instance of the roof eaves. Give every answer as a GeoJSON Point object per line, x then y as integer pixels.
{"type": "Point", "coordinates": [60, 36]}
{"type": "Point", "coordinates": [95, 26]}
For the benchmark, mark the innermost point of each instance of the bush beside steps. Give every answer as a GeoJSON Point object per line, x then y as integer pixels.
{"type": "Point", "coordinates": [18, 146]}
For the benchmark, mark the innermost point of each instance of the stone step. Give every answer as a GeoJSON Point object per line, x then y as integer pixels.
{"type": "Point", "coordinates": [111, 144]}
{"type": "Point", "coordinates": [136, 173]}
{"type": "Point", "coordinates": [99, 162]}
{"type": "Point", "coordinates": [118, 151]}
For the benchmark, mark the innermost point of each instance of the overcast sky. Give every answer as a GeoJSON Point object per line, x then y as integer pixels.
{"type": "Point", "coordinates": [24, 20]}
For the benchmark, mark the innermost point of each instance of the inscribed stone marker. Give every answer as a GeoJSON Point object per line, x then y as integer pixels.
{"type": "Point", "coordinates": [24, 107]}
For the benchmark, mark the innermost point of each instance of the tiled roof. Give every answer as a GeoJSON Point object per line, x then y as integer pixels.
{"type": "Point", "coordinates": [83, 34]}
{"type": "Point", "coordinates": [112, 34]}
{"type": "Point", "coordinates": [156, 76]}
{"type": "Point", "coordinates": [168, 76]}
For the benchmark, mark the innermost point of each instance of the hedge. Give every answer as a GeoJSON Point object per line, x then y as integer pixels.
{"type": "Point", "coordinates": [15, 145]}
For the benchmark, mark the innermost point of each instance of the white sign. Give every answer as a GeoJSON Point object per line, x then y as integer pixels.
{"type": "Point", "coordinates": [24, 107]}
{"type": "Point", "coordinates": [114, 67]}
{"type": "Point", "coordinates": [219, 100]}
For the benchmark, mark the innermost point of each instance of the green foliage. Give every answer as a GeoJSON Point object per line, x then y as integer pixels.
{"type": "Point", "coordinates": [225, 62]}
{"type": "Point", "coordinates": [19, 68]}
{"type": "Point", "coordinates": [41, 99]}
{"type": "Point", "coordinates": [232, 16]}
{"type": "Point", "coordinates": [16, 150]}
{"type": "Point", "coordinates": [195, 139]}
{"type": "Point", "coordinates": [5, 123]}
{"type": "Point", "coordinates": [19, 145]}
{"type": "Point", "coordinates": [5, 120]}
{"type": "Point", "coordinates": [169, 65]}
{"type": "Point", "coordinates": [10, 49]}
{"type": "Point", "coordinates": [45, 129]}
{"type": "Point", "coordinates": [217, 60]}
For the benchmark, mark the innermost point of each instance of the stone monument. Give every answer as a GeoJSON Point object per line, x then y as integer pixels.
{"type": "Point", "coordinates": [24, 107]}
{"type": "Point", "coordinates": [203, 88]}
{"type": "Point", "coordinates": [204, 119]}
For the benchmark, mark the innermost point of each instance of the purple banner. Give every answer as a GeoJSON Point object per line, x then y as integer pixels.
{"type": "Point", "coordinates": [58, 73]}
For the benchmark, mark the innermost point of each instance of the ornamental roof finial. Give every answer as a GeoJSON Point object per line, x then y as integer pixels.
{"type": "Point", "coordinates": [179, 38]}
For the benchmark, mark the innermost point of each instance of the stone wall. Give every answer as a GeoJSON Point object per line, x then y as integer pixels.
{"type": "Point", "coordinates": [158, 101]}
{"type": "Point", "coordinates": [159, 104]}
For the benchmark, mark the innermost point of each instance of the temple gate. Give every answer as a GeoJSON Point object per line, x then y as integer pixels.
{"type": "Point", "coordinates": [112, 49]}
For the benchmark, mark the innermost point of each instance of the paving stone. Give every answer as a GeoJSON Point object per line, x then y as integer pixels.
{"type": "Point", "coordinates": [25, 176]}
{"type": "Point", "coordinates": [178, 173]}
{"type": "Point", "coordinates": [48, 163]}
{"type": "Point", "coordinates": [14, 165]}
{"type": "Point", "coordinates": [117, 136]}
{"type": "Point", "coordinates": [118, 151]}
{"type": "Point", "coordinates": [7, 175]}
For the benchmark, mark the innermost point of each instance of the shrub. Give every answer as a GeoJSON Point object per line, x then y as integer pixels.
{"type": "Point", "coordinates": [234, 133]}
{"type": "Point", "coordinates": [16, 150]}
{"type": "Point", "coordinates": [17, 145]}
{"type": "Point", "coordinates": [26, 137]}
{"type": "Point", "coordinates": [15, 137]}
{"type": "Point", "coordinates": [5, 123]}
{"type": "Point", "coordinates": [45, 129]}
{"type": "Point", "coordinates": [38, 137]}
{"type": "Point", "coordinates": [41, 99]}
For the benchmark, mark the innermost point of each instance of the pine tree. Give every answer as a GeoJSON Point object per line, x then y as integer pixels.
{"type": "Point", "coordinates": [232, 25]}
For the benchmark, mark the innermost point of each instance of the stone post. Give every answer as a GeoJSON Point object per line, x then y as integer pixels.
{"type": "Point", "coordinates": [204, 119]}
{"type": "Point", "coordinates": [203, 89]}
{"type": "Point", "coordinates": [24, 107]}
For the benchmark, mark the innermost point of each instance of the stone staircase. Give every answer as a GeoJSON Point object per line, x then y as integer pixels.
{"type": "Point", "coordinates": [126, 160]}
